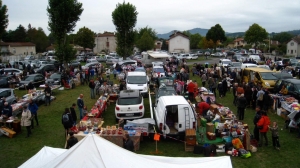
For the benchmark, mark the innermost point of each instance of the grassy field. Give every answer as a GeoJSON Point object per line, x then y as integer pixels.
{"type": "Point", "coordinates": [17, 150]}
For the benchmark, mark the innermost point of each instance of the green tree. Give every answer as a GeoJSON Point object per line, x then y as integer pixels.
{"type": "Point", "coordinates": [85, 38]}
{"type": "Point", "coordinates": [19, 35]}
{"type": "Point", "coordinates": [63, 16]}
{"type": "Point", "coordinates": [146, 42]}
{"type": "Point", "coordinates": [147, 29]}
{"type": "Point", "coordinates": [255, 35]}
{"type": "Point", "coordinates": [39, 38]}
{"type": "Point", "coordinates": [124, 18]}
{"type": "Point", "coordinates": [72, 39]}
{"type": "Point", "coordinates": [51, 38]}
{"type": "Point", "coordinates": [164, 44]}
{"type": "Point", "coordinates": [3, 18]}
{"type": "Point", "coordinates": [283, 37]}
{"type": "Point", "coordinates": [216, 33]}
{"type": "Point", "coordinates": [194, 40]}
{"type": "Point", "coordinates": [187, 33]}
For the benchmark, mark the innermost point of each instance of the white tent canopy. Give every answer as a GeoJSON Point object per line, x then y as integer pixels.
{"type": "Point", "coordinates": [156, 54]}
{"type": "Point", "coordinates": [94, 151]}
{"type": "Point", "coordinates": [43, 156]}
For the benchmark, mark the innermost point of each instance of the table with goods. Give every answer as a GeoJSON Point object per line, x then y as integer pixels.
{"type": "Point", "coordinates": [92, 124]}
{"type": "Point", "coordinates": [220, 131]}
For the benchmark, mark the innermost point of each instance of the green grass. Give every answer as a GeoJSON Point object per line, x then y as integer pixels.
{"type": "Point", "coordinates": [17, 150]}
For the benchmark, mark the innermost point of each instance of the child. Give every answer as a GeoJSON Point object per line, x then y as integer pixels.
{"type": "Point", "coordinates": [275, 137]}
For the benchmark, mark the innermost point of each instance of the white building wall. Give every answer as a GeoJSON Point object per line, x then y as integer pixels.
{"type": "Point", "coordinates": [100, 44]}
{"type": "Point", "coordinates": [179, 43]}
{"type": "Point", "coordinates": [294, 47]}
{"type": "Point", "coordinates": [23, 50]}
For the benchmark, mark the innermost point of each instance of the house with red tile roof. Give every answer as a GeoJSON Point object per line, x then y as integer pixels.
{"type": "Point", "coordinates": [105, 42]}
{"type": "Point", "coordinates": [17, 48]}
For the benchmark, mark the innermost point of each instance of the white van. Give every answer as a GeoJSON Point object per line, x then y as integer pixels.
{"type": "Point", "coordinates": [173, 115]}
{"type": "Point", "coordinates": [138, 81]}
{"type": "Point", "coordinates": [255, 58]}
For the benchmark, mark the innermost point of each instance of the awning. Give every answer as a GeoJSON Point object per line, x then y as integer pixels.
{"type": "Point", "coordinates": [159, 55]}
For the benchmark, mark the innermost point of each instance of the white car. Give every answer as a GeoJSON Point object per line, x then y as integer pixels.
{"type": "Point", "coordinates": [217, 54]}
{"type": "Point", "coordinates": [225, 62]}
{"type": "Point", "coordinates": [192, 57]}
{"type": "Point", "coordinates": [130, 105]}
{"type": "Point", "coordinates": [182, 56]}
{"type": "Point", "coordinates": [158, 71]}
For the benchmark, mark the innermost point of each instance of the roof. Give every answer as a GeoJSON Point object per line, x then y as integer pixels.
{"type": "Point", "coordinates": [295, 81]}
{"type": "Point", "coordinates": [173, 100]}
{"type": "Point", "coordinates": [283, 75]}
{"type": "Point", "coordinates": [105, 34]}
{"type": "Point", "coordinates": [177, 33]}
{"type": "Point", "coordinates": [258, 69]}
{"type": "Point", "coordinates": [239, 39]}
{"type": "Point", "coordinates": [297, 39]}
{"type": "Point", "coordinates": [129, 93]}
{"type": "Point", "coordinates": [20, 44]}
{"type": "Point", "coordinates": [159, 54]}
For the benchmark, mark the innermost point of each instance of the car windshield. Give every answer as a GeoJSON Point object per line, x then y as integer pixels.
{"type": "Point", "coordinates": [160, 70]}
{"type": "Point", "coordinates": [236, 64]}
{"type": "Point", "coordinates": [226, 62]}
{"type": "Point", "coordinates": [165, 92]}
{"type": "Point", "coordinates": [54, 76]}
{"type": "Point", "coordinates": [29, 78]}
{"type": "Point", "coordinates": [297, 89]}
{"type": "Point", "coordinates": [267, 76]}
{"type": "Point", "coordinates": [129, 100]}
{"type": "Point", "coordinates": [137, 79]}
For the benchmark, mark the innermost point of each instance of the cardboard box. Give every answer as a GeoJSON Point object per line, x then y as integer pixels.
{"type": "Point", "coordinates": [210, 127]}
{"type": "Point", "coordinates": [8, 132]}
{"type": "Point", "coordinates": [190, 136]}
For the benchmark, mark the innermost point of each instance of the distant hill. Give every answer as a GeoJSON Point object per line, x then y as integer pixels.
{"type": "Point", "coordinates": [203, 32]}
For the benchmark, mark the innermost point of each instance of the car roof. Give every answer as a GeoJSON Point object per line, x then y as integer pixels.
{"type": "Point", "coordinates": [283, 75]}
{"type": "Point", "coordinates": [158, 67]}
{"type": "Point", "coordinates": [129, 93]}
{"type": "Point", "coordinates": [3, 89]}
{"type": "Point", "coordinates": [12, 69]}
{"type": "Point", "coordinates": [173, 100]}
{"type": "Point", "coordinates": [225, 60]}
{"type": "Point", "coordinates": [258, 69]}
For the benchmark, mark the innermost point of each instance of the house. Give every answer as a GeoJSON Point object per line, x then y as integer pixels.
{"type": "Point", "coordinates": [230, 45]}
{"type": "Point", "coordinates": [158, 45]}
{"type": "Point", "coordinates": [179, 42]}
{"type": "Point", "coordinates": [293, 47]}
{"type": "Point", "coordinates": [239, 42]}
{"type": "Point", "coordinates": [105, 42]}
{"type": "Point", "coordinates": [17, 48]}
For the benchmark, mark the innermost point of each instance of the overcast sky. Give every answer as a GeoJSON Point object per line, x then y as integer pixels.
{"type": "Point", "coordinates": [166, 15]}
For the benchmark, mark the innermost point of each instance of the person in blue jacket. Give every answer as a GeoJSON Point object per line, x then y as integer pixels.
{"type": "Point", "coordinates": [33, 109]}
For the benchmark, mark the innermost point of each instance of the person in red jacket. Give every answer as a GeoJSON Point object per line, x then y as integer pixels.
{"type": "Point", "coordinates": [263, 125]}
{"type": "Point", "coordinates": [191, 89]}
{"type": "Point", "coordinates": [203, 108]}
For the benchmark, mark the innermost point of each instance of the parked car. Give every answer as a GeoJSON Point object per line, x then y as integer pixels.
{"type": "Point", "coordinates": [55, 63]}
{"type": "Point", "coordinates": [29, 57]}
{"type": "Point", "coordinates": [91, 60]}
{"type": "Point", "coordinates": [217, 54]}
{"type": "Point", "coordinates": [54, 79]}
{"type": "Point", "coordinates": [292, 85]}
{"type": "Point", "coordinates": [192, 57]}
{"type": "Point", "coordinates": [80, 58]}
{"type": "Point", "coordinates": [91, 64]}
{"type": "Point", "coordinates": [130, 105]}
{"type": "Point", "coordinates": [19, 64]}
{"type": "Point", "coordinates": [34, 63]}
{"type": "Point", "coordinates": [140, 69]}
{"type": "Point", "coordinates": [15, 71]}
{"type": "Point", "coordinates": [36, 79]}
{"type": "Point", "coordinates": [9, 96]}
{"type": "Point", "coordinates": [200, 53]}
{"type": "Point", "coordinates": [256, 58]}
{"type": "Point", "coordinates": [182, 56]}
{"type": "Point", "coordinates": [283, 75]}
{"type": "Point", "coordinates": [264, 66]}
{"type": "Point", "coordinates": [5, 81]}
{"type": "Point", "coordinates": [45, 68]}
{"type": "Point", "coordinates": [74, 63]}
{"type": "Point", "coordinates": [101, 58]}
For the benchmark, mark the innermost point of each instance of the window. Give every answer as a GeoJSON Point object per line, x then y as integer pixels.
{"type": "Point", "coordinates": [288, 51]}
{"type": "Point", "coordinates": [292, 43]}
{"type": "Point", "coordinates": [292, 51]}
{"type": "Point", "coordinates": [107, 44]}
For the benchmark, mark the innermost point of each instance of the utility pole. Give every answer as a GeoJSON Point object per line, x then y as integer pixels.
{"type": "Point", "coordinates": [269, 43]}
